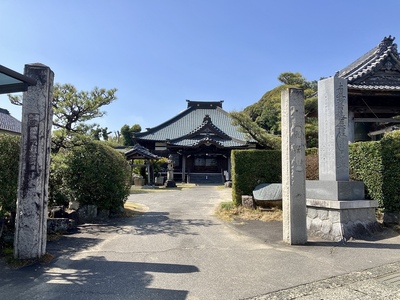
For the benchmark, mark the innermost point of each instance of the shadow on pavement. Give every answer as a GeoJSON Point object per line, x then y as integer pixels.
{"type": "Point", "coordinates": [159, 223]}
{"type": "Point", "coordinates": [93, 278]}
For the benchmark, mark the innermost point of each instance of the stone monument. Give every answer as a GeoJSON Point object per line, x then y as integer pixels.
{"type": "Point", "coordinates": [336, 207]}
{"type": "Point", "coordinates": [31, 219]}
{"type": "Point", "coordinates": [170, 173]}
{"type": "Point", "coordinates": [293, 167]}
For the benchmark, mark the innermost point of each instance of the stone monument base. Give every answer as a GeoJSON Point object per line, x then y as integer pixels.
{"type": "Point", "coordinates": [335, 190]}
{"type": "Point", "coordinates": [337, 220]}
{"type": "Point", "coordinates": [170, 183]}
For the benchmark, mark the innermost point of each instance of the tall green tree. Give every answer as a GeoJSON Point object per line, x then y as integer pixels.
{"type": "Point", "coordinates": [127, 133]}
{"type": "Point", "coordinates": [255, 132]}
{"type": "Point", "coordinates": [105, 133]}
{"type": "Point", "coordinates": [99, 133]}
{"type": "Point", "coordinates": [266, 113]}
{"type": "Point", "coordinates": [290, 78]}
{"type": "Point", "coordinates": [95, 133]}
{"type": "Point", "coordinates": [136, 128]}
{"type": "Point", "coordinates": [72, 109]}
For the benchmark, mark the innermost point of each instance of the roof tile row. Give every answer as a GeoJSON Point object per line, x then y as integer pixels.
{"type": "Point", "coordinates": [8, 122]}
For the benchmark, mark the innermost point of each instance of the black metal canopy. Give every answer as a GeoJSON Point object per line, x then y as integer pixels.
{"type": "Point", "coordinates": [13, 82]}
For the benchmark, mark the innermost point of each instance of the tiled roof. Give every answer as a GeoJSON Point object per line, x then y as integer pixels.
{"type": "Point", "coordinates": [207, 140]}
{"type": "Point", "coordinates": [138, 152]}
{"type": "Point", "coordinates": [379, 69]}
{"type": "Point", "coordinates": [9, 123]}
{"type": "Point", "coordinates": [199, 122]}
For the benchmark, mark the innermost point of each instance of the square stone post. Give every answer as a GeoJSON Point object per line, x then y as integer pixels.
{"type": "Point", "coordinates": [333, 144]}
{"type": "Point", "coordinates": [31, 219]}
{"type": "Point", "coordinates": [293, 167]}
{"type": "Point", "coordinates": [336, 208]}
{"type": "Point", "coordinates": [333, 129]}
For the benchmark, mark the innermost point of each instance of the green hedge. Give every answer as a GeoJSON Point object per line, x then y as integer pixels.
{"type": "Point", "coordinates": [251, 168]}
{"type": "Point", "coordinates": [92, 174]}
{"type": "Point", "coordinates": [391, 172]}
{"type": "Point", "coordinates": [311, 151]}
{"type": "Point", "coordinates": [377, 164]}
{"type": "Point", "coordinates": [97, 174]}
{"type": "Point", "coordinates": [365, 161]}
{"type": "Point", "coordinates": [9, 164]}
{"type": "Point", "coordinates": [59, 192]}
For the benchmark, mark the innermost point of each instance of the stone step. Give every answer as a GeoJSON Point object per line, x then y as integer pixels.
{"type": "Point", "coordinates": [203, 178]}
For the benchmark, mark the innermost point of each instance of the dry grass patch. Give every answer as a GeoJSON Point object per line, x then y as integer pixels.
{"type": "Point", "coordinates": [19, 263]}
{"type": "Point", "coordinates": [229, 212]}
{"type": "Point", "coordinates": [133, 209]}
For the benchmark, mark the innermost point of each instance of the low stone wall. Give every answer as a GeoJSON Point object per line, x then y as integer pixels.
{"type": "Point", "coordinates": [350, 220]}
{"type": "Point", "coordinates": [87, 213]}
{"type": "Point", "coordinates": [391, 218]}
{"type": "Point", "coordinates": [60, 225]}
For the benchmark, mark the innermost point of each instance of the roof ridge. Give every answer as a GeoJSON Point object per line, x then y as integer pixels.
{"type": "Point", "coordinates": [152, 129]}
{"type": "Point", "coordinates": [370, 71]}
{"type": "Point", "coordinates": [373, 66]}
{"type": "Point", "coordinates": [380, 52]}
{"type": "Point", "coordinates": [193, 124]}
{"type": "Point", "coordinates": [207, 122]}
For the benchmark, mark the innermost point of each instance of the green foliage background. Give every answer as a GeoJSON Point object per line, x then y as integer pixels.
{"type": "Point", "coordinates": [266, 112]}
{"type": "Point", "coordinates": [9, 164]}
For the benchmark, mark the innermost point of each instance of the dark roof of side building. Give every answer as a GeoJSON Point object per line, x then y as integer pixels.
{"type": "Point", "coordinates": [8, 123]}
{"type": "Point", "coordinates": [378, 69]}
{"type": "Point", "coordinates": [202, 122]}
{"type": "Point", "coordinates": [140, 152]}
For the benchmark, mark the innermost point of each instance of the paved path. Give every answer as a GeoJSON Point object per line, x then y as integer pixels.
{"type": "Point", "coordinates": [179, 250]}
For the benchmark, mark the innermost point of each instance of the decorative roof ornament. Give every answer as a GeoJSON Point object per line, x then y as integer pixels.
{"type": "Point", "coordinates": [385, 44]}
{"type": "Point", "coordinates": [208, 128]}
{"type": "Point", "coordinates": [207, 119]}
{"type": "Point", "coordinates": [378, 69]}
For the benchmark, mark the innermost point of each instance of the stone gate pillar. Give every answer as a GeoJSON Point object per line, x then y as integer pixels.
{"type": "Point", "coordinates": [293, 167]}
{"type": "Point", "coordinates": [31, 219]}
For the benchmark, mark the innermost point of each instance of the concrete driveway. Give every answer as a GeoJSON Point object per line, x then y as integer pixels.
{"type": "Point", "coordinates": [178, 250]}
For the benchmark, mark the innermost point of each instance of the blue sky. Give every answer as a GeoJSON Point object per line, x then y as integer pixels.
{"type": "Point", "coordinates": [158, 53]}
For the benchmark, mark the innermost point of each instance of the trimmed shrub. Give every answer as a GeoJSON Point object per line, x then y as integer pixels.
{"type": "Point", "coordinates": [9, 164]}
{"type": "Point", "coordinates": [96, 174]}
{"type": "Point", "coordinates": [59, 192]}
{"type": "Point", "coordinates": [311, 151]}
{"type": "Point", "coordinates": [251, 168]}
{"type": "Point", "coordinates": [391, 171]}
{"type": "Point", "coordinates": [377, 164]}
{"type": "Point", "coordinates": [365, 163]}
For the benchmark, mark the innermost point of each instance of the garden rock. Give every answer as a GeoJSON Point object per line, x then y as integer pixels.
{"type": "Point", "coordinates": [248, 202]}
{"type": "Point", "coordinates": [268, 194]}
